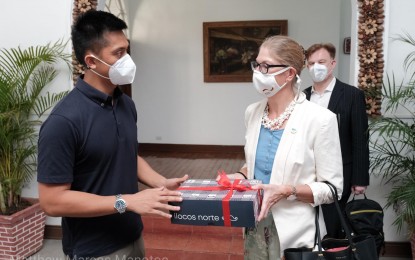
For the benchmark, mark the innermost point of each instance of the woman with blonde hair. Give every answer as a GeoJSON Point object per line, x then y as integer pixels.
{"type": "Point", "coordinates": [292, 145]}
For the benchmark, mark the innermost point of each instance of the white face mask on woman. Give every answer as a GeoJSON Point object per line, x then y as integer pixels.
{"type": "Point", "coordinates": [266, 84]}
{"type": "Point", "coordinates": [318, 72]}
{"type": "Point", "coordinates": [121, 72]}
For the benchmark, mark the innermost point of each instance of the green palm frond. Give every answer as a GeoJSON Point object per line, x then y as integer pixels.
{"type": "Point", "coordinates": [404, 196]}
{"type": "Point", "coordinates": [398, 95]}
{"type": "Point", "coordinates": [410, 58]}
{"type": "Point", "coordinates": [392, 141]}
{"type": "Point", "coordinates": [43, 103]}
{"type": "Point", "coordinates": [24, 77]}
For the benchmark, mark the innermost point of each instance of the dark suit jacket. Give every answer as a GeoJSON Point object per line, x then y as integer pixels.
{"type": "Point", "coordinates": [348, 103]}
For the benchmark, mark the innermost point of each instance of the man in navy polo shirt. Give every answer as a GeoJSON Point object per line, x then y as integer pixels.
{"type": "Point", "coordinates": [88, 163]}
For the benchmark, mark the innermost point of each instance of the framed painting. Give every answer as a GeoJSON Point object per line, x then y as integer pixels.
{"type": "Point", "coordinates": [229, 47]}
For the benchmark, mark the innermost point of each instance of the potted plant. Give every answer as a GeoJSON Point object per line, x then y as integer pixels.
{"type": "Point", "coordinates": [24, 76]}
{"type": "Point", "coordinates": [393, 144]}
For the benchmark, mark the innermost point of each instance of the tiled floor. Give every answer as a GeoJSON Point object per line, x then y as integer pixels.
{"type": "Point", "coordinates": [166, 241]}
{"type": "Point", "coordinates": [196, 168]}
{"type": "Point", "coordinates": [163, 239]}
{"type": "Point", "coordinates": [52, 250]}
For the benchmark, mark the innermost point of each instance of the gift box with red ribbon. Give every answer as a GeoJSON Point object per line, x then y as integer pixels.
{"type": "Point", "coordinates": [231, 203]}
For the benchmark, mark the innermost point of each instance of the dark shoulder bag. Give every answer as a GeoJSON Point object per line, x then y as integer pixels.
{"type": "Point", "coordinates": [352, 248]}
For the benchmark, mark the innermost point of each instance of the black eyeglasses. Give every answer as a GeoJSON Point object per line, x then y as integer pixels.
{"type": "Point", "coordinates": [263, 67]}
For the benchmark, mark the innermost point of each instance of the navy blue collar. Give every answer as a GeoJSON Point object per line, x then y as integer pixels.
{"type": "Point", "coordinates": [95, 95]}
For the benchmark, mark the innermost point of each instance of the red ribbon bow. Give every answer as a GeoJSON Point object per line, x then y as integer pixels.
{"type": "Point", "coordinates": [224, 184]}
{"type": "Point", "coordinates": [235, 185]}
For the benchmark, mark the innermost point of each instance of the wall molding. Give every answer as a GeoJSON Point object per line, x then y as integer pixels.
{"type": "Point", "coordinates": [190, 148]}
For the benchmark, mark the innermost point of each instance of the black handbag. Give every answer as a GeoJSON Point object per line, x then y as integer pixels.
{"type": "Point", "coordinates": [352, 248]}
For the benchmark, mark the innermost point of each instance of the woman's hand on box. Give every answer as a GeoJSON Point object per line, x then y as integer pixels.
{"type": "Point", "coordinates": [272, 194]}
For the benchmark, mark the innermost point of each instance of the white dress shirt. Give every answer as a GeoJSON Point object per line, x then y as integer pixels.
{"type": "Point", "coordinates": [323, 98]}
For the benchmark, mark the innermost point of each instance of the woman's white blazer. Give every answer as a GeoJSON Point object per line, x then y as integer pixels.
{"type": "Point", "coordinates": [308, 153]}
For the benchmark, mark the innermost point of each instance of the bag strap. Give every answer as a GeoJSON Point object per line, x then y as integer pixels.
{"type": "Point", "coordinates": [317, 238]}
{"type": "Point", "coordinates": [333, 191]}
{"type": "Point", "coordinates": [364, 194]}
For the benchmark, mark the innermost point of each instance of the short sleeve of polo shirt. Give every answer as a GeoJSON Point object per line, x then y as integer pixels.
{"type": "Point", "coordinates": [56, 150]}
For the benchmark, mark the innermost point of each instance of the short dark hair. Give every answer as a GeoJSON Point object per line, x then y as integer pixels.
{"type": "Point", "coordinates": [327, 46]}
{"type": "Point", "coordinates": [88, 31]}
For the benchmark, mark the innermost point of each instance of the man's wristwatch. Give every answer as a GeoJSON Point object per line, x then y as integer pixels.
{"type": "Point", "coordinates": [293, 195]}
{"type": "Point", "coordinates": [120, 205]}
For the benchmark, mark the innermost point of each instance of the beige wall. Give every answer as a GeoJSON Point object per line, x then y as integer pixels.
{"type": "Point", "coordinates": [174, 104]}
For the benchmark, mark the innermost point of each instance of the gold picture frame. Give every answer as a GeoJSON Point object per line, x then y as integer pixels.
{"type": "Point", "coordinates": [229, 47]}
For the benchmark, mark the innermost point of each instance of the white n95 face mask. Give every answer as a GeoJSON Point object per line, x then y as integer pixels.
{"type": "Point", "coordinates": [266, 84]}
{"type": "Point", "coordinates": [121, 72]}
{"type": "Point", "coordinates": [318, 72]}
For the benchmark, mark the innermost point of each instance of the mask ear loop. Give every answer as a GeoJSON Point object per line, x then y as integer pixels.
{"type": "Point", "coordinates": [100, 60]}
{"type": "Point", "coordinates": [86, 64]}
{"type": "Point", "coordinates": [298, 85]}
{"type": "Point", "coordinates": [94, 70]}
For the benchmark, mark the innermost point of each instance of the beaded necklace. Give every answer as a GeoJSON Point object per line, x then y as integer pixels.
{"type": "Point", "coordinates": [276, 123]}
